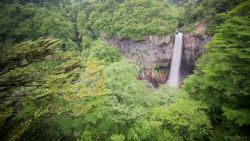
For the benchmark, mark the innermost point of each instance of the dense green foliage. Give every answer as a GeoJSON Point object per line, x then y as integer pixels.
{"type": "Point", "coordinates": [134, 19]}
{"type": "Point", "coordinates": [60, 80]}
{"type": "Point", "coordinates": [22, 22]}
{"type": "Point", "coordinates": [102, 52]}
{"type": "Point", "coordinates": [227, 60]}
{"type": "Point", "coordinates": [59, 96]}
{"type": "Point", "coordinates": [208, 11]}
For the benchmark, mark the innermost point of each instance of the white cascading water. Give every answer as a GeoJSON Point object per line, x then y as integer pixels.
{"type": "Point", "coordinates": [174, 75]}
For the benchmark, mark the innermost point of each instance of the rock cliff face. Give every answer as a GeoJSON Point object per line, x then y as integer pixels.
{"type": "Point", "coordinates": [193, 47]}
{"type": "Point", "coordinates": [153, 55]}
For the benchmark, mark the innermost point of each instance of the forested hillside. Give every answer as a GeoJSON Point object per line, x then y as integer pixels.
{"type": "Point", "coordinates": [60, 78]}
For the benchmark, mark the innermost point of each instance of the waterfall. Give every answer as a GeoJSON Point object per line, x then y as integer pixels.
{"type": "Point", "coordinates": [176, 61]}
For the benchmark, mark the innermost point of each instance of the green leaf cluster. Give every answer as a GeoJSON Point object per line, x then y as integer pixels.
{"type": "Point", "coordinates": [134, 19]}
{"type": "Point", "coordinates": [222, 75]}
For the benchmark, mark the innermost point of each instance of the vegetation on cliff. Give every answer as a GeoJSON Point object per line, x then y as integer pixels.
{"type": "Point", "coordinates": [134, 19]}
{"type": "Point", "coordinates": [222, 76]}
{"type": "Point", "coordinates": [60, 81]}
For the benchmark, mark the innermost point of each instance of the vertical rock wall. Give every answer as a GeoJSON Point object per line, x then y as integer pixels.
{"type": "Point", "coordinates": [153, 55]}
{"type": "Point", "coordinates": [193, 47]}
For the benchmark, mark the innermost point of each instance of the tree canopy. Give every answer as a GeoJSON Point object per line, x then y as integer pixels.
{"type": "Point", "coordinates": [134, 19]}
{"type": "Point", "coordinates": [228, 60]}
{"type": "Point", "coordinates": [61, 80]}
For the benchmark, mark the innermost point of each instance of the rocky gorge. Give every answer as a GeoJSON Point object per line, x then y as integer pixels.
{"type": "Point", "coordinates": [153, 54]}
